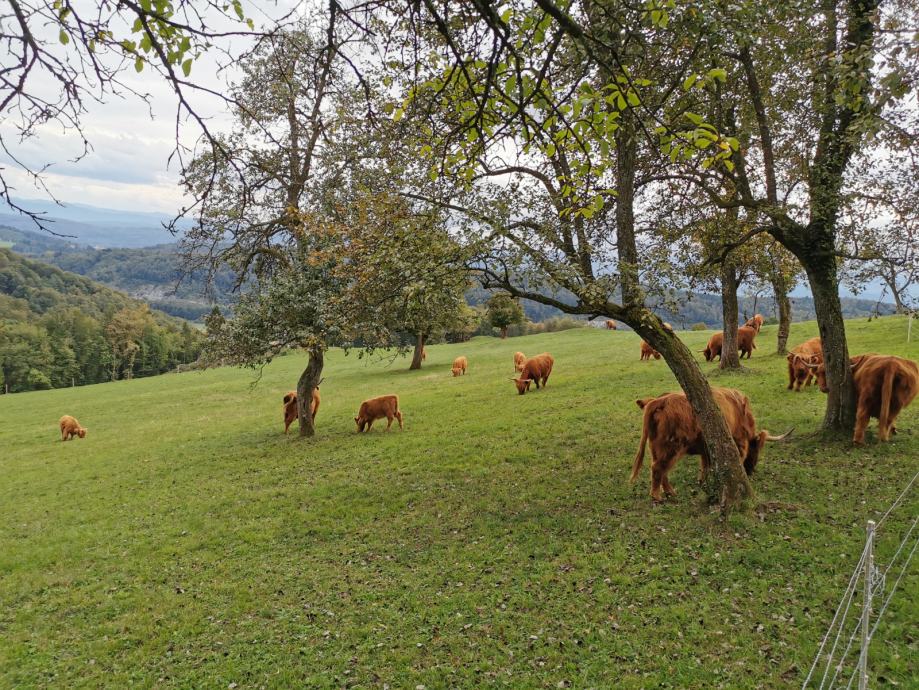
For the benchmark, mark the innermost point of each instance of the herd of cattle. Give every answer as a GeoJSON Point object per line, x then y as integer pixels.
{"type": "Point", "coordinates": [884, 385]}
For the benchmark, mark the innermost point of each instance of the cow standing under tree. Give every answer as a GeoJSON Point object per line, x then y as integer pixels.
{"type": "Point", "coordinates": [884, 385]}
{"type": "Point", "coordinates": [671, 427]}
{"type": "Point", "coordinates": [801, 362]}
{"type": "Point", "coordinates": [745, 343]}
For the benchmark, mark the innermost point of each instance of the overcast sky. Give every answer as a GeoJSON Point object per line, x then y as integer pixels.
{"type": "Point", "coordinates": [127, 168]}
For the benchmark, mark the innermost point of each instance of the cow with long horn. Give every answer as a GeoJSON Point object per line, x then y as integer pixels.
{"type": "Point", "coordinates": [671, 427]}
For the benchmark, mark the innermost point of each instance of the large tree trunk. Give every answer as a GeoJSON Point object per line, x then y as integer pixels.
{"type": "Point", "coordinates": [729, 357]}
{"type": "Point", "coordinates": [726, 483]}
{"type": "Point", "coordinates": [419, 351]}
{"type": "Point", "coordinates": [503, 332]}
{"type": "Point", "coordinates": [780, 291]}
{"type": "Point", "coordinates": [309, 380]}
{"type": "Point", "coordinates": [840, 408]}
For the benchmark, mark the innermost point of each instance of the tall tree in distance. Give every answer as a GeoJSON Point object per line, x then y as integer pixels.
{"type": "Point", "coordinates": [504, 311]}
{"type": "Point", "coordinates": [250, 189]}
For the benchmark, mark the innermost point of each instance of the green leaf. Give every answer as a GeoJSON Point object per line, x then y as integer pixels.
{"type": "Point", "coordinates": [63, 37]}
{"type": "Point", "coordinates": [689, 81]}
{"type": "Point", "coordinates": [718, 73]}
{"type": "Point", "coordinates": [186, 67]}
{"type": "Point", "coordinates": [139, 63]}
{"type": "Point", "coordinates": [693, 117]}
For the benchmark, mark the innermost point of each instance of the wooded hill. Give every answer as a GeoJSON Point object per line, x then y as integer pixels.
{"type": "Point", "coordinates": [59, 329]}
{"type": "Point", "coordinates": [154, 275]}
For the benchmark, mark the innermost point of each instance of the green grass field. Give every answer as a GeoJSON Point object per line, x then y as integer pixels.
{"type": "Point", "coordinates": [185, 542]}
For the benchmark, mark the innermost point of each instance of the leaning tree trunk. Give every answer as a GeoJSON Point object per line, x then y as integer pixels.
{"type": "Point", "coordinates": [821, 272]}
{"type": "Point", "coordinates": [726, 482]}
{"type": "Point", "coordinates": [780, 291]}
{"type": "Point", "coordinates": [729, 357]}
{"type": "Point", "coordinates": [419, 351]}
{"type": "Point", "coordinates": [308, 382]}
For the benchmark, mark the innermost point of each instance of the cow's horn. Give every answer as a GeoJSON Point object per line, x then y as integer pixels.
{"type": "Point", "coordinates": [769, 437]}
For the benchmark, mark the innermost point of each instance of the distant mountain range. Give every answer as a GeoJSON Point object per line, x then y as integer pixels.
{"type": "Point", "coordinates": [91, 225]}
{"type": "Point", "coordinates": [153, 273]}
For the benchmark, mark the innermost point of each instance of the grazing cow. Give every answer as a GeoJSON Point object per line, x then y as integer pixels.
{"type": "Point", "coordinates": [535, 369]}
{"type": "Point", "coordinates": [290, 408]}
{"type": "Point", "coordinates": [745, 338]}
{"type": "Point", "coordinates": [671, 426]}
{"type": "Point", "coordinates": [377, 408]}
{"type": "Point", "coordinates": [801, 362]}
{"type": "Point", "coordinates": [459, 366]}
{"type": "Point", "coordinates": [519, 359]}
{"type": "Point", "coordinates": [755, 322]}
{"type": "Point", "coordinates": [884, 385]}
{"type": "Point", "coordinates": [70, 427]}
{"type": "Point", "coordinates": [610, 325]}
{"type": "Point", "coordinates": [647, 352]}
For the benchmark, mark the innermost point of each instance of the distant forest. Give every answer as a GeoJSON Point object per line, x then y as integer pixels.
{"type": "Point", "coordinates": [58, 329]}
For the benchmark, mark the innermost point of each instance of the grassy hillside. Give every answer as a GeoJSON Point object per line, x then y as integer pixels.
{"type": "Point", "coordinates": [495, 542]}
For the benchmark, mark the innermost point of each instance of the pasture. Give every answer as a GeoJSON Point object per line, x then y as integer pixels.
{"type": "Point", "coordinates": [186, 542]}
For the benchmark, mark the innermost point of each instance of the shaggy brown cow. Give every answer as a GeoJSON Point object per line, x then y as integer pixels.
{"type": "Point", "coordinates": [801, 362]}
{"type": "Point", "coordinates": [647, 352]}
{"type": "Point", "coordinates": [290, 407]}
{"type": "Point", "coordinates": [459, 366]}
{"type": "Point", "coordinates": [519, 359]}
{"type": "Point", "coordinates": [671, 426]}
{"type": "Point", "coordinates": [755, 322]}
{"type": "Point", "coordinates": [884, 385]}
{"type": "Point", "coordinates": [745, 338]}
{"type": "Point", "coordinates": [377, 408]}
{"type": "Point", "coordinates": [70, 427]}
{"type": "Point", "coordinates": [535, 369]}
{"type": "Point", "coordinates": [610, 325]}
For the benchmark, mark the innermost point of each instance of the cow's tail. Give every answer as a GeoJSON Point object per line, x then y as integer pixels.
{"type": "Point", "coordinates": [640, 455]}
{"type": "Point", "coordinates": [886, 394]}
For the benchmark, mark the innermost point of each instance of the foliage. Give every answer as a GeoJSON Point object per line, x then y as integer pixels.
{"type": "Point", "coordinates": [58, 329]}
{"type": "Point", "coordinates": [504, 311]}
{"type": "Point", "coordinates": [698, 327]}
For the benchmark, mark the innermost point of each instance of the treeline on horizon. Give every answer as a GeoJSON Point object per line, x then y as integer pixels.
{"type": "Point", "coordinates": [153, 275]}
{"type": "Point", "coordinates": [58, 329]}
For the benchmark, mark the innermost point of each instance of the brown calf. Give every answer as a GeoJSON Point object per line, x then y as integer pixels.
{"type": "Point", "coordinates": [745, 338]}
{"type": "Point", "coordinates": [801, 362]}
{"type": "Point", "coordinates": [377, 408]}
{"type": "Point", "coordinates": [459, 366]}
{"type": "Point", "coordinates": [610, 325]}
{"type": "Point", "coordinates": [647, 352]}
{"type": "Point", "coordinates": [755, 322]}
{"type": "Point", "coordinates": [884, 385]}
{"type": "Point", "coordinates": [291, 412]}
{"type": "Point", "coordinates": [673, 431]}
{"type": "Point", "coordinates": [535, 369]}
{"type": "Point", "coordinates": [519, 359]}
{"type": "Point", "coordinates": [70, 427]}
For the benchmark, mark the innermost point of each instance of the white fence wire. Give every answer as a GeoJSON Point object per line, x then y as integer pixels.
{"type": "Point", "coordinates": [867, 582]}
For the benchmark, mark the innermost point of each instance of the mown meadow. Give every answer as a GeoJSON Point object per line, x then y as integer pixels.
{"type": "Point", "coordinates": [496, 541]}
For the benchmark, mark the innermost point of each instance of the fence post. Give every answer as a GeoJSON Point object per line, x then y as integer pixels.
{"type": "Point", "coordinates": [909, 327]}
{"type": "Point", "coordinates": [866, 610]}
